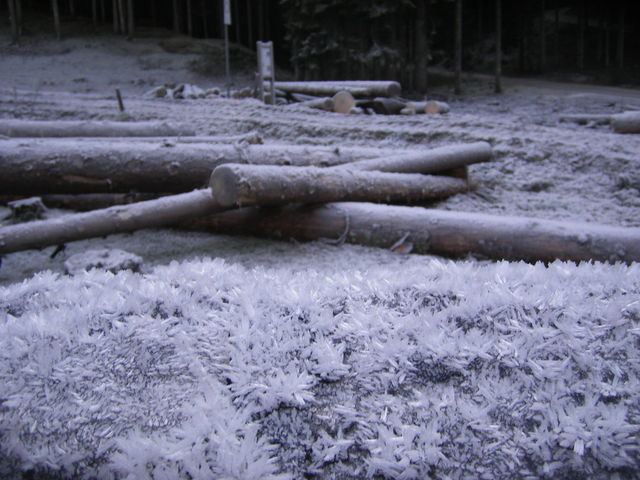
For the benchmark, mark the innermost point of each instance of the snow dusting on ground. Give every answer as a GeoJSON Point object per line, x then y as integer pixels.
{"type": "Point", "coordinates": [229, 357]}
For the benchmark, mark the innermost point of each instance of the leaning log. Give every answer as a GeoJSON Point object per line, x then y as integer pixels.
{"type": "Point", "coordinates": [628, 122]}
{"type": "Point", "coordinates": [73, 128]}
{"type": "Point", "coordinates": [432, 161]}
{"type": "Point", "coordinates": [51, 166]}
{"type": "Point", "coordinates": [150, 214]}
{"type": "Point", "coordinates": [235, 185]}
{"type": "Point", "coordinates": [436, 232]}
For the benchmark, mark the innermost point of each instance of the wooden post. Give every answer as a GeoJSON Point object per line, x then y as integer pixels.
{"type": "Point", "coordinates": [498, 81]}
{"type": "Point", "coordinates": [56, 18]}
{"type": "Point", "coordinates": [458, 48]}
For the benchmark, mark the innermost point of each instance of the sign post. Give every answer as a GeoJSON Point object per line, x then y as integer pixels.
{"type": "Point", "coordinates": [266, 70]}
{"type": "Point", "coordinates": [227, 22]}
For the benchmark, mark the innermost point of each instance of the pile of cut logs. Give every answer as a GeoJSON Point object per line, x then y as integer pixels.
{"type": "Point", "coordinates": [381, 97]}
{"type": "Point", "coordinates": [627, 122]}
{"type": "Point", "coordinates": [278, 191]}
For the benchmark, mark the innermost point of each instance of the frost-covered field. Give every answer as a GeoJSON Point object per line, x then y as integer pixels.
{"type": "Point", "coordinates": [242, 358]}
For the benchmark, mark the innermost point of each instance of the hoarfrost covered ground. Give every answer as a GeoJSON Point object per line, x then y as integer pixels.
{"type": "Point", "coordinates": [241, 358]}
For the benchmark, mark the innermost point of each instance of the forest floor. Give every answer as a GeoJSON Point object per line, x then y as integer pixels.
{"type": "Point", "coordinates": [253, 358]}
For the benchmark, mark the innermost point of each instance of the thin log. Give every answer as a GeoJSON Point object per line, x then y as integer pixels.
{"type": "Point", "coordinates": [584, 119]}
{"type": "Point", "coordinates": [429, 161]}
{"type": "Point", "coordinates": [150, 214]}
{"type": "Point", "coordinates": [235, 185]}
{"type": "Point", "coordinates": [628, 122]}
{"type": "Point", "coordinates": [95, 201]}
{"type": "Point", "coordinates": [74, 128]}
{"type": "Point", "coordinates": [51, 166]}
{"type": "Point", "coordinates": [435, 232]}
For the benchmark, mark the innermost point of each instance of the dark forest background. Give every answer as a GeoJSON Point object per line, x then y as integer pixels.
{"type": "Point", "coordinates": [404, 40]}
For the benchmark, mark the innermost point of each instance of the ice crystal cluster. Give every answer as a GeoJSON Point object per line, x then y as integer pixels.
{"type": "Point", "coordinates": [433, 369]}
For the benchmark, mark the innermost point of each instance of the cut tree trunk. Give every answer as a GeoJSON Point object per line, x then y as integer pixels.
{"type": "Point", "coordinates": [436, 232]}
{"type": "Point", "coordinates": [73, 128]}
{"type": "Point", "coordinates": [429, 161]}
{"type": "Point", "coordinates": [343, 102]}
{"type": "Point", "coordinates": [433, 107]}
{"type": "Point", "coordinates": [40, 167]}
{"type": "Point", "coordinates": [356, 88]}
{"type": "Point", "coordinates": [153, 213]}
{"type": "Point", "coordinates": [628, 122]}
{"type": "Point", "coordinates": [235, 185]}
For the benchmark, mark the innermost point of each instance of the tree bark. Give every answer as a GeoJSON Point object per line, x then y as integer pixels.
{"type": "Point", "coordinates": [458, 48]}
{"type": "Point", "coordinates": [620, 55]}
{"type": "Point", "coordinates": [50, 166]}
{"type": "Point", "coordinates": [250, 41]}
{"type": "Point", "coordinates": [383, 105]}
{"type": "Point", "coordinates": [628, 122]}
{"type": "Point", "coordinates": [581, 31]}
{"type": "Point", "coordinates": [189, 19]}
{"type": "Point", "coordinates": [498, 80]}
{"type": "Point", "coordinates": [421, 53]}
{"type": "Point", "coordinates": [56, 18]}
{"type": "Point", "coordinates": [13, 18]}
{"type": "Point", "coordinates": [356, 88]}
{"type": "Point", "coordinates": [176, 16]}
{"type": "Point", "coordinates": [121, 18]}
{"type": "Point", "coordinates": [543, 37]}
{"type": "Point", "coordinates": [236, 185]}
{"type": "Point", "coordinates": [430, 161]}
{"type": "Point", "coordinates": [73, 128]}
{"type": "Point", "coordinates": [434, 232]}
{"type": "Point", "coordinates": [116, 16]}
{"type": "Point", "coordinates": [149, 214]}
{"type": "Point", "coordinates": [130, 20]}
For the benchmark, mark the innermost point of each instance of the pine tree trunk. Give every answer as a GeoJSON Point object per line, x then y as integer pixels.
{"type": "Point", "coordinates": [236, 20]}
{"type": "Point", "coordinates": [458, 48]}
{"type": "Point", "coordinates": [581, 31]}
{"type": "Point", "coordinates": [116, 16]}
{"type": "Point", "coordinates": [498, 80]}
{"type": "Point", "coordinates": [19, 16]}
{"type": "Point", "coordinates": [103, 11]}
{"type": "Point", "coordinates": [121, 19]}
{"type": "Point", "coordinates": [543, 37]}
{"type": "Point", "coordinates": [72, 8]}
{"type": "Point", "coordinates": [205, 25]}
{"type": "Point", "coordinates": [94, 12]}
{"type": "Point", "coordinates": [250, 27]}
{"type": "Point", "coordinates": [620, 54]}
{"type": "Point", "coordinates": [56, 18]}
{"type": "Point", "coordinates": [176, 16]}
{"type": "Point", "coordinates": [189, 19]}
{"type": "Point", "coordinates": [13, 17]}
{"type": "Point", "coordinates": [130, 20]}
{"type": "Point", "coordinates": [421, 53]}
{"type": "Point", "coordinates": [556, 36]}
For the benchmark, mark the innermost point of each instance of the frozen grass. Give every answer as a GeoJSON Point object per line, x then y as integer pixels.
{"type": "Point", "coordinates": [206, 369]}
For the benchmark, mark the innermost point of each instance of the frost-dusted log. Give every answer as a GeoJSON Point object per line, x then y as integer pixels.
{"type": "Point", "coordinates": [437, 232]}
{"type": "Point", "coordinates": [79, 128]}
{"type": "Point", "coordinates": [236, 185]}
{"type": "Point", "coordinates": [39, 167]}
{"type": "Point", "coordinates": [383, 105]}
{"type": "Point", "coordinates": [322, 103]}
{"type": "Point", "coordinates": [429, 161]}
{"type": "Point", "coordinates": [150, 214]}
{"type": "Point", "coordinates": [584, 119]}
{"type": "Point", "coordinates": [95, 201]}
{"type": "Point", "coordinates": [628, 122]}
{"type": "Point", "coordinates": [356, 88]}
{"type": "Point", "coordinates": [435, 107]}
{"type": "Point", "coordinates": [343, 102]}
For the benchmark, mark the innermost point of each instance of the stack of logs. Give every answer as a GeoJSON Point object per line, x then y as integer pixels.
{"type": "Point", "coordinates": [283, 192]}
{"type": "Point", "coordinates": [380, 97]}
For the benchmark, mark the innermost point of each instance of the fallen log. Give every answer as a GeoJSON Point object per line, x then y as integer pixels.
{"type": "Point", "coordinates": [432, 161]}
{"type": "Point", "coordinates": [52, 166]}
{"type": "Point", "coordinates": [322, 103]}
{"type": "Point", "coordinates": [383, 105]}
{"type": "Point", "coordinates": [152, 213]}
{"type": "Point", "coordinates": [585, 119]}
{"type": "Point", "coordinates": [434, 107]}
{"type": "Point", "coordinates": [95, 201]}
{"type": "Point", "coordinates": [74, 128]}
{"type": "Point", "coordinates": [343, 102]}
{"type": "Point", "coordinates": [429, 231]}
{"type": "Point", "coordinates": [356, 88]}
{"type": "Point", "coordinates": [628, 122]}
{"type": "Point", "coordinates": [235, 185]}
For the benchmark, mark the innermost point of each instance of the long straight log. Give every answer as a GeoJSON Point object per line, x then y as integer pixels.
{"type": "Point", "coordinates": [152, 213]}
{"type": "Point", "coordinates": [236, 185]}
{"type": "Point", "coordinates": [41, 167]}
{"type": "Point", "coordinates": [628, 122]}
{"type": "Point", "coordinates": [429, 231]}
{"type": "Point", "coordinates": [73, 128]}
{"type": "Point", "coordinates": [430, 161]}
{"type": "Point", "coordinates": [356, 88]}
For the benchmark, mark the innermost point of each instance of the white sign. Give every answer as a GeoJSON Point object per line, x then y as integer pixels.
{"type": "Point", "coordinates": [265, 59]}
{"type": "Point", "coordinates": [227, 12]}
